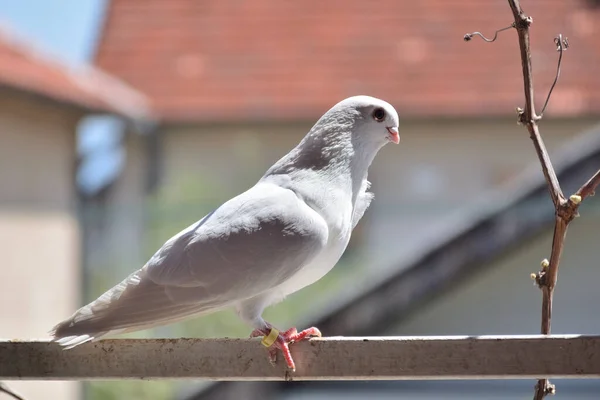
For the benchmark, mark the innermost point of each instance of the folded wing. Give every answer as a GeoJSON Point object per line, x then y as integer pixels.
{"type": "Point", "coordinates": [249, 245]}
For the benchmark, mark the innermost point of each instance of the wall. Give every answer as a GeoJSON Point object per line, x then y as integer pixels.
{"type": "Point", "coordinates": [39, 239]}
{"type": "Point", "coordinates": [503, 300]}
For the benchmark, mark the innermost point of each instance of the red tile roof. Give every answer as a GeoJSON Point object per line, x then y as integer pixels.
{"type": "Point", "coordinates": [226, 59]}
{"type": "Point", "coordinates": [26, 68]}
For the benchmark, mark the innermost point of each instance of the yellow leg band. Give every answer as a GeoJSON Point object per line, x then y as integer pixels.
{"type": "Point", "coordinates": [268, 340]}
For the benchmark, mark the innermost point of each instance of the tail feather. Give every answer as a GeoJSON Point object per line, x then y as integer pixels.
{"type": "Point", "coordinates": [132, 305]}
{"type": "Point", "coordinates": [68, 342]}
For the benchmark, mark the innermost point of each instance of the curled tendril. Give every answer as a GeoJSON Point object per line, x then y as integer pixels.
{"type": "Point", "coordinates": [469, 36]}
{"type": "Point", "coordinates": [562, 44]}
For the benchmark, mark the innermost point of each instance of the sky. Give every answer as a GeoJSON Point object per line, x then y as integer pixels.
{"type": "Point", "coordinates": [69, 30]}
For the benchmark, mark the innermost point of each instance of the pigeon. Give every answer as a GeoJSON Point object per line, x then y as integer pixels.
{"type": "Point", "coordinates": [279, 236]}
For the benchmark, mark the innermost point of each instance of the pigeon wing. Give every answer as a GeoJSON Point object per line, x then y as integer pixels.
{"type": "Point", "coordinates": [251, 244]}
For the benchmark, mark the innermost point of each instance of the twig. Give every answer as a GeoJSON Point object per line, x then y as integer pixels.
{"type": "Point", "coordinates": [588, 188]}
{"type": "Point", "coordinates": [5, 389]}
{"type": "Point", "coordinates": [566, 209]}
{"type": "Point", "coordinates": [528, 116]}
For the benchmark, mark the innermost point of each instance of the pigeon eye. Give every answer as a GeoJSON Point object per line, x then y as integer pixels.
{"type": "Point", "coordinates": [379, 114]}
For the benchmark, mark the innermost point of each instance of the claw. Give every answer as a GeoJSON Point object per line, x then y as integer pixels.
{"type": "Point", "coordinates": [283, 341]}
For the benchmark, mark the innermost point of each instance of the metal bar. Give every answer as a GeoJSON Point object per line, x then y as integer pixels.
{"type": "Point", "coordinates": [332, 358]}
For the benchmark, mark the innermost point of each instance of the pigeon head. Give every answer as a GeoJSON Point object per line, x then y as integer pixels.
{"type": "Point", "coordinates": [373, 120]}
{"type": "Point", "coordinates": [346, 138]}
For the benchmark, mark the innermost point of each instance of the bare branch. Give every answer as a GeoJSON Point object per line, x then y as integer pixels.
{"type": "Point", "coordinates": [548, 276]}
{"type": "Point", "coordinates": [565, 210]}
{"type": "Point", "coordinates": [528, 116]}
{"type": "Point", "coordinates": [553, 185]}
{"type": "Point", "coordinates": [5, 389]}
{"type": "Point", "coordinates": [543, 388]}
{"type": "Point", "coordinates": [589, 188]}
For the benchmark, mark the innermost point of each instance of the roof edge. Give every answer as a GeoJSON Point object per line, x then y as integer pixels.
{"type": "Point", "coordinates": [110, 94]}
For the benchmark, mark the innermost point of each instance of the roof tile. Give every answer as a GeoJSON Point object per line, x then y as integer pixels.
{"type": "Point", "coordinates": [206, 60]}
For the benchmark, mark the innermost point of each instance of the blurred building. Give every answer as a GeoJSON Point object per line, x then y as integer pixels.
{"type": "Point", "coordinates": [236, 84]}
{"type": "Point", "coordinates": [41, 103]}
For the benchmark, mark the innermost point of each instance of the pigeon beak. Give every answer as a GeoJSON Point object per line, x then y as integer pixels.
{"type": "Point", "coordinates": [393, 136]}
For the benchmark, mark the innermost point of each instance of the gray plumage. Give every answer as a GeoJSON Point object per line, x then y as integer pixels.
{"type": "Point", "coordinates": [282, 234]}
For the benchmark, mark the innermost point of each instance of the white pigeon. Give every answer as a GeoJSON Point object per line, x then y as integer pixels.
{"type": "Point", "coordinates": [281, 235]}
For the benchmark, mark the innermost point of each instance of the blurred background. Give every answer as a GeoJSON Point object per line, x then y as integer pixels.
{"type": "Point", "coordinates": [123, 121]}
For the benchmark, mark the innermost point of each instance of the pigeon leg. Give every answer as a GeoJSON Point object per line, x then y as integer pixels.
{"type": "Point", "coordinates": [273, 339]}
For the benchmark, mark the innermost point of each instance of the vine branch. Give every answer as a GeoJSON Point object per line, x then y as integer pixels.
{"type": "Point", "coordinates": [566, 209]}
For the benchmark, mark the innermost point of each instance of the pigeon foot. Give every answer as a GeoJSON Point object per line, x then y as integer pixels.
{"type": "Point", "coordinates": [273, 340]}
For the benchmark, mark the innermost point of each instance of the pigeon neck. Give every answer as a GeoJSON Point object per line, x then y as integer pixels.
{"type": "Point", "coordinates": [364, 153]}
{"type": "Point", "coordinates": [338, 157]}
